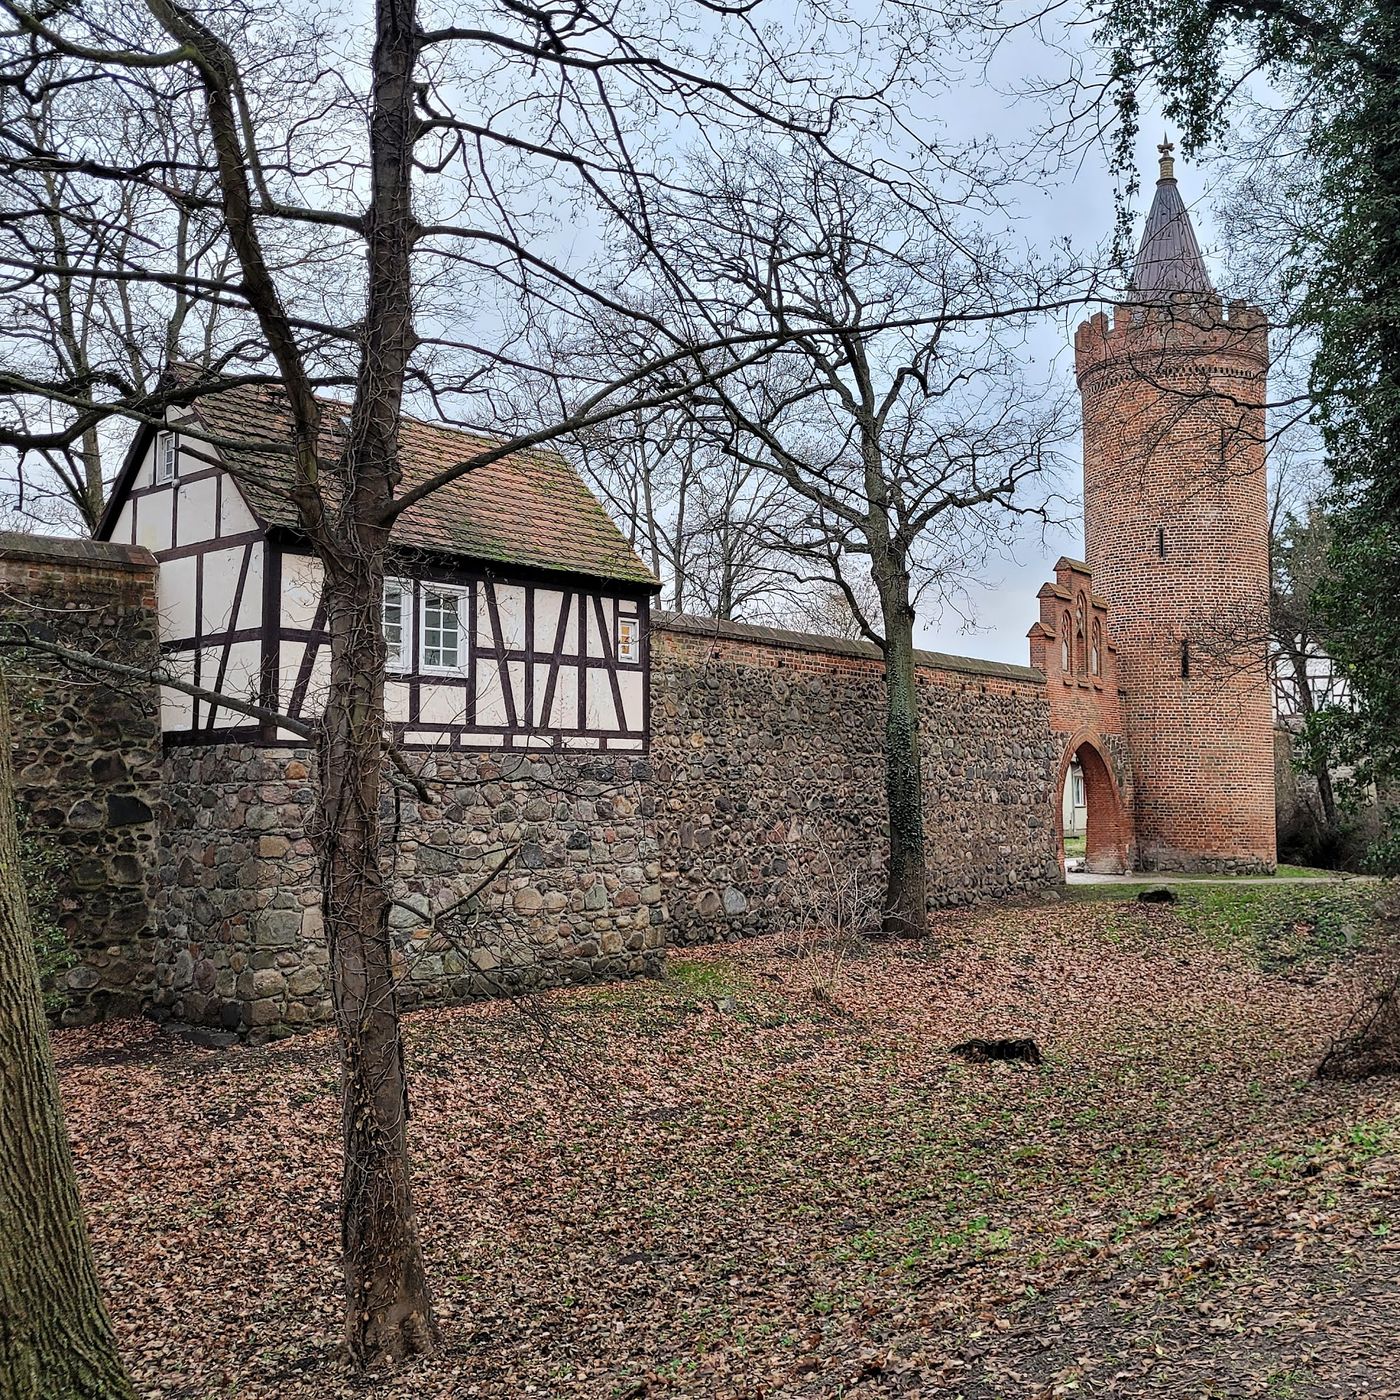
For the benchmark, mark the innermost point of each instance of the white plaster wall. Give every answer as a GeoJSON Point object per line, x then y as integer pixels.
{"type": "Point", "coordinates": [600, 711]}
{"type": "Point", "coordinates": [630, 683]}
{"type": "Point", "coordinates": [442, 704]}
{"type": "Point", "coordinates": [301, 589]}
{"type": "Point", "coordinates": [196, 511]}
{"type": "Point", "coordinates": [221, 568]}
{"type": "Point", "coordinates": [175, 594]}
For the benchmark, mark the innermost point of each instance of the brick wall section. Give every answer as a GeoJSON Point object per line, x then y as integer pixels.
{"type": "Point", "coordinates": [1072, 645]}
{"type": "Point", "coordinates": [769, 775]}
{"type": "Point", "coordinates": [87, 755]}
{"type": "Point", "coordinates": [1174, 443]}
{"type": "Point", "coordinates": [240, 906]}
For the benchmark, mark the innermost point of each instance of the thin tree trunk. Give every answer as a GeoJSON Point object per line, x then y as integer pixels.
{"type": "Point", "coordinates": [56, 1340]}
{"type": "Point", "coordinates": [906, 893]}
{"type": "Point", "coordinates": [388, 1306]}
{"type": "Point", "coordinates": [1322, 774]}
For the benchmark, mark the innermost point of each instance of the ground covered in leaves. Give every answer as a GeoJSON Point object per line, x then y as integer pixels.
{"type": "Point", "coordinates": [765, 1176]}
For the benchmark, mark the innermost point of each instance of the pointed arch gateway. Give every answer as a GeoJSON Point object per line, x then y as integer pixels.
{"type": "Point", "coordinates": [1107, 836]}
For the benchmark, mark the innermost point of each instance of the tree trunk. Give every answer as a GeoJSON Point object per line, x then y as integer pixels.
{"type": "Point", "coordinates": [906, 906]}
{"type": "Point", "coordinates": [56, 1341]}
{"type": "Point", "coordinates": [1326, 794]}
{"type": "Point", "coordinates": [388, 1308]}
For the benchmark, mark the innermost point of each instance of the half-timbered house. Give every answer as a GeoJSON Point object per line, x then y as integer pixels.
{"type": "Point", "coordinates": [515, 611]}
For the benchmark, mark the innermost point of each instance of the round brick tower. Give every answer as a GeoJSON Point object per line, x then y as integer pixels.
{"type": "Point", "coordinates": [1177, 537]}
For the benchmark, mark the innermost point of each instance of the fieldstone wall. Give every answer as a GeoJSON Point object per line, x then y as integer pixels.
{"type": "Point", "coordinates": [578, 895]}
{"type": "Point", "coordinates": [87, 756]}
{"type": "Point", "coordinates": [192, 890]}
{"type": "Point", "coordinates": [769, 778]}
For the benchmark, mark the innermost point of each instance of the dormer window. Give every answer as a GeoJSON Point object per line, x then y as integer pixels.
{"type": "Point", "coordinates": [165, 458]}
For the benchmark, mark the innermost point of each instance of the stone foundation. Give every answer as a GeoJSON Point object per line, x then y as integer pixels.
{"type": "Point", "coordinates": [578, 897]}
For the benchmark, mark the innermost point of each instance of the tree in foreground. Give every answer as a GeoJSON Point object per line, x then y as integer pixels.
{"type": "Point", "coordinates": [905, 443]}
{"type": "Point", "coordinates": [56, 1341]}
{"type": "Point", "coordinates": [384, 224]}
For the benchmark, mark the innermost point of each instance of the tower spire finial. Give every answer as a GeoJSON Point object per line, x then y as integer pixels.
{"type": "Point", "coordinates": [1166, 165]}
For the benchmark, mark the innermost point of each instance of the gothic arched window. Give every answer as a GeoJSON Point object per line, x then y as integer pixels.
{"type": "Point", "coordinates": [1096, 651]}
{"type": "Point", "coordinates": [1064, 643]}
{"type": "Point", "coordinates": [1081, 640]}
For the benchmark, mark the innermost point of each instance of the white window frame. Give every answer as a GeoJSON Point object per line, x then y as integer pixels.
{"type": "Point", "coordinates": [397, 659]}
{"type": "Point", "coordinates": [629, 649]}
{"type": "Point", "coordinates": [464, 622]}
{"type": "Point", "coordinates": [167, 455]}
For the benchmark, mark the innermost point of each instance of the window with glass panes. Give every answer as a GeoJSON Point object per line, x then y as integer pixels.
{"type": "Point", "coordinates": [440, 636]}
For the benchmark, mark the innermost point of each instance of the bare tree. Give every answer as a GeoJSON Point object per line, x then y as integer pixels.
{"type": "Point", "coordinates": [693, 511]}
{"type": "Point", "coordinates": [87, 335]}
{"type": "Point", "coordinates": [429, 173]}
{"type": "Point", "coordinates": [906, 439]}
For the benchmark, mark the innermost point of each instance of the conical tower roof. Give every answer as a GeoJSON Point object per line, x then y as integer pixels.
{"type": "Point", "coordinates": [1169, 259]}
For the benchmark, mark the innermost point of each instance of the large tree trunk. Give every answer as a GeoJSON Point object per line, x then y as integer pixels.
{"type": "Point", "coordinates": [388, 1307]}
{"type": "Point", "coordinates": [56, 1341]}
{"type": "Point", "coordinates": [906, 892]}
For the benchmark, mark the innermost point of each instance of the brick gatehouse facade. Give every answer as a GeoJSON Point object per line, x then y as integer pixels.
{"type": "Point", "coordinates": [628, 779]}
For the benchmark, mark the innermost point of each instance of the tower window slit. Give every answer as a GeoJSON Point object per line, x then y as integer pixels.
{"type": "Point", "coordinates": [1186, 661]}
{"type": "Point", "coordinates": [1161, 541]}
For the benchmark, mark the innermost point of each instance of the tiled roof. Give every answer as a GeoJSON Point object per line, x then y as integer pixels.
{"type": "Point", "coordinates": [530, 508]}
{"type": "Point", "coordinates": [1169, 258]}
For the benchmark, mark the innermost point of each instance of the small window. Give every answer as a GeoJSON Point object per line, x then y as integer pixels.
{"type": "Point", "coordinates": [165, 458]}
{"type": "Point", "coordinates": [395, 614]}
{"type": "Point", "coordinates": [1078, 789]}
{"type": "Point", "coordinates": [629, 639]}
{"type": "Point", "coordinates": [1064, 643]}
{"type": "Point", "coordinates": [1161, 541]}
{"type": "Point", "coordinates": [440, 631]}
{"type": "Point", "coordinates": [1186, 661]}
{"type": "Point", "coordinates": [1096, 651]}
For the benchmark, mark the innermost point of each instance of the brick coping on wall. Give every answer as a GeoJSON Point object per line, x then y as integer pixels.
{"type": "Point", "coordinates": [721, 630]}
{"type": "Point", "coordinates": [50, 549]}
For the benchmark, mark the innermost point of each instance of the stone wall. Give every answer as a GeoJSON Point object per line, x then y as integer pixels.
{"type": "Point", "coordinates": [192, 890]}
{"type": "Point", "coordinates": [87, 755]}
{"type": "Point", "coordinates": [769, 776]}
{"type": "Point", "coordinates": [578, 897]}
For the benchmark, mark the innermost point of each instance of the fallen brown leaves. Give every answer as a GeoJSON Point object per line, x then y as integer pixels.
{"type": "Point", "coordinates": [723, 1185]}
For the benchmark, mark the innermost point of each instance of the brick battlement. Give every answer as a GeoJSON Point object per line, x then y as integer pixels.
{"type": "Point", "coordinates": [1171, 337]}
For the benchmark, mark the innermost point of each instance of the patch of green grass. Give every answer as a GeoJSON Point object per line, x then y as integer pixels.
{"type": "Point", "coordinates": [1356, 1147]}
{"type": "Point", "coordinates": [1074, 845]}
{"type": "Point", "coordinates": [708, 978]}
{"type": "Point", "coordinates": [1276, 926]}
{"type": "Point", "coordinates": [1306, 872]}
